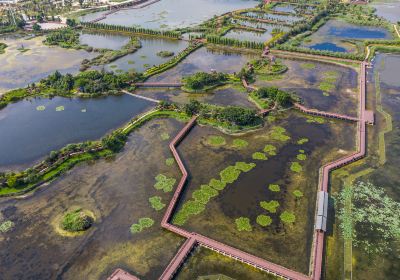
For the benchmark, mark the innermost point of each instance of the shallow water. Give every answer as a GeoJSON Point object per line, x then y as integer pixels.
{"type": "Point", "coordinates": [117, 192]}
{"type": "Point", "coordinates": [388, 9]}
{"type": "Point", "coordinates": [288, 8]}
{"type": "Point", "coordinates": [29, 134]}
{"type": "Point", "coordinates": [244, 35]}
{"type": "Point", "coordinates": [328, 47]}
{"type": "Point", "coordinates": [207, 60]}
{"type": "Point", "coordinates": [146, 56]}
{"type": "Point", "coordinates": [326, 142]}
{"type": "Point", "coordinates": [287, 18]}
{"type": "Point", "coordinates": [20, 69]}
{"type": "Point", "coordinates": [171, 14]}
{"type": "Point", "coordinates": [103, 40]}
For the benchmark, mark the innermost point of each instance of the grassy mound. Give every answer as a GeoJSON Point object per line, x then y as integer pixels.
{"type": "Point", "coordinates": [77, 220]}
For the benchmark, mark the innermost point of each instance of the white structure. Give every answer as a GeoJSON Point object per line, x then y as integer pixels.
{"type": "Point", "coordinates": [322, 211]}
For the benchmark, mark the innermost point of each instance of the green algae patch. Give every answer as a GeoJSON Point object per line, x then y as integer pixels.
{"type": "Point", "coordinates": [297, 193]}
{"type": "Point", "coordinates": [156, 203]}
{"type": "Point", "coordinates": [296, 167]}
{"type": "Point", "coordinates": [274, 188]}
{"type": "Point", "coordinates": [164, 183]}
{"type": "Point", "coordinates": [315, 119]}
{"type": "Point", "coordinates": [259, 156]}
{"type": "Point", "coordinates": [302, 141]}
{"type": "Point", "coordinates": [40, 108]}
{"type": "Point", "coordinates": [270, 150]}
{"type": "Point", "coordinates": [6, 226]}
{"type": "Point", "coordinates": [142, 224]}
{"type": "Point", "coordinates": [278, 134]}
{"type": "Point", "coordinates": [245, 167]}
{"type": "Point", "coordinates": [307, 65]}
{"type": "Point", "coordinates": [164, 136]}
{"type": "Point", "coordinates": [239, 143]}
{"type": "Point", "coordinates": [229, 174]}
{"type": "Point", "coordinates": [217, 184]}
{"type": "Point", "coordinates": [243, 224]}
{"type": "Point", "coordinates": [301, 157]}
{"type": "Point", "coordinates": [263, 220]}
{"type": "Point", "coordinates": [287, 217]}
{"type": "Point", "coordinates": [215, 140]}
{"type": "Point", "coordinates": [60, 108]}
{"type": "Point", "coordinates": [169, 161]}
{"type": "Point", "coordinates": [270, 206]}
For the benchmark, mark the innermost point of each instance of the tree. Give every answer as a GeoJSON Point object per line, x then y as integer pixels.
{"type": "Point", "coordinates": [71, 22]}
{"type": "Point", "coordinates": [36, 27]}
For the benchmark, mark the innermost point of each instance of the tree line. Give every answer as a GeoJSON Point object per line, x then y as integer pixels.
{"type": "Point", "coordinates": [234, 42]}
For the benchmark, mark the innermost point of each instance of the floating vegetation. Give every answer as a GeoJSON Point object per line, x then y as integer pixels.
{"type": "Point", "coordinates": [263, 220]}
{"type": "Point", "coordinates": [243, 224]}
{"type": "Point", "coordinates": [240, 143]}
{"type": "Point", "coordinates": [296, 167]}
{"type": "Point", "coordinates": [325, 86]}
{"type": "Point", "coordinates": [301, 157]}
{"type": "Point", "coordinates": [169, 161]}
{"type": "Point", "coordinates": [190, 207]}
{"type": "Point", "coordinates": [215, 140]}
{"type": "Point", "coordinates": [204, 194]}
{"type": "Point", "coordinates": [315, 119]}
{"type": "Point", "coordinates": [217, 184]}
{"type": "Point", "coordinates": [83, 110]}
{"type": "Point", "coordinates": [245, 167]}
{"type": "Point", "coordinates": [297, 193]}
{"type": "Point", "coordinates": [113, 66]}
{"type": "Point", "coordinates": [302, 141]}
{"type": "Point", "coordinates": [287, 217]}
{"type": "Point", "coordinates": [259, 156]}
{"type": "Point", "coordinates": [301, 151]}
{"type": "Point", "coordinates": [270, 150]}
{"type": "Point", "coordinates": [60, 108]}
{"type": "Point", "coordinates": [307, 65]}
{"type": "Point", "coordinates": [278, 133]}
{"type": "Point", "coordinates": [164, 136]}
{"type": "Point", "coordinates": [164, 183]}
{"type": "Point", "coordinates": [274, 188]}
{"type": "Point", "coordinates": [325, 94]}
{"type": "Point", "coordinates": [6, 226]}
{"type": "Point", "coordinates": [156, 203]}
{"type": "Point", "coordinates": [40, 108]}
{"type": "Point", "coordinates": [141, 225]}
{"type": "Point", "coordinates": [270, 206]}
{"type": "Point", "coordinates": [77, 220]}
{"type": "Point", "coordinates": [229, 174]}
{"type": "Point", "coordinates": [131, 62]}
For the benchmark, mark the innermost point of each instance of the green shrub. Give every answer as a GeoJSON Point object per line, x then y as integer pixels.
{"type": "Point", "coordinates": [6, 226]}
{"type": "Point", "coordinates": [264, 220]}
{"type": "Point", "coordinates": [76, 220]}
{"type": "Point", "coordinates": [243, 224]}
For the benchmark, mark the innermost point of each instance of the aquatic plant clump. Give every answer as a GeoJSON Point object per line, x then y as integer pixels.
{"type": "Point", "coordinates": [229, 174]}
{"type": "Point", "coordinates": [259, 156]}
{"type": "Point", "coordinates": [274, 188]}
{"type": "Point", "coordinates": [156, 203]}
{"type": "Point", "coordinates": [278, 134]}
{"type": "Point", "coordinates": [287, 217]}
{"type": "Point", "coordinates": [314, 119]}
{"type": "Point", "coordinates": [214, 140]}
{"type": "Point", "coordinates": [270, 206]}
{"type": "Point", "coordinates": [164, 183]}
{"type": "Point", "coordinates": [60, 108]}
{"type": "Point", "coordinates": [190, 207]}
{"type": "Point", "coordinates": [263, 220]}
{"type": "Point", "coordinates": [297, 193]}
{"type": "Point", "coordinates": [245, 167]}
{"type": "Point", "coordinates": [296, 167]}
{"type": "Point", "coordinates": [301, 157]}
{"type": "Point", "coordinates": [76, 221]}
{"type": "Point", "coordinates": [270, 150]}
{"type": "Point", "coordinates": [243, 224]}
{"type": "Point", "coordinates": [164, 136]}
{"type": "Point", "coordinates": [169, 161]}
{"type": "Point", "coordinates": [6, 226]}
{"type": "Point", "coordinates": [142, 224]}
{"type": "Point", "coordinates": [239, 143]}
{"type": "Point", "coordinates": [204, 194]}
{"type": "Point", "coordinates": [217, 184]}
{"type": "Point", "coordinates": [302, 141]}
{"type": "Point", "coordinates": [40, 108]}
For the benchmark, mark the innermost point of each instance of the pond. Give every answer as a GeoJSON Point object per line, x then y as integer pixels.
{"type": "Point", "coordinates": [205, 160]}
{"type": "Point", "coordinates": [332, 36]}
{"type": "Point", "coordinates": [37, 62]}
{"type": "Point", "coordinates": [111, 190]}
{"type": "Point", "coordinates": [288, 8]}
{"type": "Point", "coordinates": [146, 56]}
{"type": "Point", "coordinates": [103, 40]}
{"type": "Point", "coordinates": [284, 18]}
{"type": "Point", "coordinates": [244, 35]}
{"type": "Point", "coordinates": [32, 128]}
{"type": "Point", "coordinates": [171, 14]}
{"type": "Point", "coordinates": [207, 60]}
{"type": "Point", "coordinates": [388, 9]}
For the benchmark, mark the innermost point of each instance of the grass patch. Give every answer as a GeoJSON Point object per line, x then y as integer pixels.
{"type": "Point", "coordinates": [287, 217]}
{"type": "Point", "coordinates": [215, 140]}
{"type": "Point", "coordinates": [164, 136]}
{"type": "Point", "coordinates": [141, 225]}
{"type": "Point", "coordinates": [169, 161]}
{"type": "Point", "coordinates": [270, 150]}
{"type": "Point", "coordinates": [297, 193]}
{"type": "Point", "coordinates": [302, 141]}
{"type": "Point", "coordinates": [301, 157]}
{"type": "Point", "coordinates": [156, 203]}
{"type": "Point", "coordinates": [263, 220]}
{"type": "Point", "coordinates": [296, 167]}
{"type": "Point", "coordinates": [164, 183]}
{"type": "Point", "coordinates": [243, 224]}
{"type": "Point", "coordinates": [259, 156]}
{"type": "Point", "coordinates": [6, 226]}
{"type": "Point", "coordinates": [239, 143]}
{"type": "Point", "coordinates": [270, 206]}
{"type": "Point", "coordinates": [278, 134]}
{"type": "Point", "coordinates": [77, 220]}
{"type": "Point", "coordinates": [274, 188]}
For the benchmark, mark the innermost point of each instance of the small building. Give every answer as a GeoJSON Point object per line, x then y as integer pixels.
{"type": "Point", "coordinates": [120, 274]}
